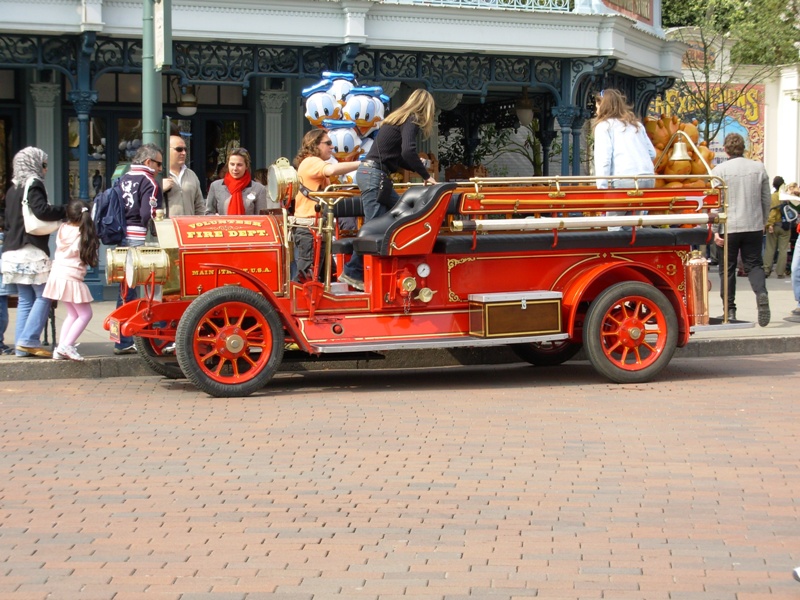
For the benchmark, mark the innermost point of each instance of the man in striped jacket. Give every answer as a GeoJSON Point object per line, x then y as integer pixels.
{"type": "Point", "coordinates": [142, 196]}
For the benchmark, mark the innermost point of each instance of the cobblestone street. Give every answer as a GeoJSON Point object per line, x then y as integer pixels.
{"type": "Point", "coordinates": [482, 482]}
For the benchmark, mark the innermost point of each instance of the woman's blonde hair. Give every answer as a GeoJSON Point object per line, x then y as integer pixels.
{"type": "Point", "coordinates": [612, 104]}
{"type": "Point", "coordinates": [793, 189]}
{"type": "Point", "coordinates": [420, 107]}
{"type": "Point", "coordinates": [309, 146]}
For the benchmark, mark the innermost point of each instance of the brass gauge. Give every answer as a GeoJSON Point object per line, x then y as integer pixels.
{"type": "Point", "coordinates": [423, 270]}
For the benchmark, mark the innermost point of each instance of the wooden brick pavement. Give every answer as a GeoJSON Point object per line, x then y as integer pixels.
{"type": "Point", "coordinates": [448, 484]}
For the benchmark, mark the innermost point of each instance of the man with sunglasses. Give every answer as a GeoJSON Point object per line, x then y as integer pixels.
{"type": "Point", "coordinates": [142, 197]}
{"type": "Point", "coordinates": [182, 194]}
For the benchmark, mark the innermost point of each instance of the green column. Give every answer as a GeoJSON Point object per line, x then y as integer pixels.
{"type": "Point", "coordinates": [151, 81]}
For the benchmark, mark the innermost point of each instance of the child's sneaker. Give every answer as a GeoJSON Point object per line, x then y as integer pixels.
{"type": "Point", "coordinates": [67, 353]}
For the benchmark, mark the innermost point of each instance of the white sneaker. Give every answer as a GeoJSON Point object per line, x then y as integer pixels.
{"type": "Point", "coordinates": [67, 353]}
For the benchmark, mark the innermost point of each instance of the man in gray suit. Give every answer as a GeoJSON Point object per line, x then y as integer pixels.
{"type": "Point", "coordinates": [748, 208]}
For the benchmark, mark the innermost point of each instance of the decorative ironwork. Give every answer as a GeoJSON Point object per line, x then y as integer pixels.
{"type": "Point", "coordinates": [42, 52]}
{"type": "Point", "coordinates": [116, 55]}
{"type": "Point", "coordinates": [567, 115]}
{"type": "Point", "coordinates": [526, 5]}
{"type": "Point", "coordinates": [647, 88]}
{"type": "Point", "coordinates": [237, 64]}
{"type": "Point", "coordinates": [83, 101]}
{"type": "Point", "coordinates": [464, 73]}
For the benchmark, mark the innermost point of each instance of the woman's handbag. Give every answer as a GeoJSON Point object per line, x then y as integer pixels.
{"type": "Point", "coordinates": [33, 224]}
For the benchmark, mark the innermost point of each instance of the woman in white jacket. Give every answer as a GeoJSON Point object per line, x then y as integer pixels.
{"type": "Point", "coordinates": [621, 145]}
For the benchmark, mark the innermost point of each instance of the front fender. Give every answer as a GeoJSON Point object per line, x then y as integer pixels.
{"type": "Point", "coordinates": [139, 315]}
{"type": "Point", "coordinates": [288, 323]}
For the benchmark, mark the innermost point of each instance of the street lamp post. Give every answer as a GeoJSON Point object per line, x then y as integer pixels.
{"type": "Point", "coordinates": [151, 79]}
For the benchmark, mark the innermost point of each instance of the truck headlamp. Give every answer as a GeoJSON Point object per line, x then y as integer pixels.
{"type": "Point", "coordinates": [115, 265]}
{"type": "Point", "coordinates": [142, 262]}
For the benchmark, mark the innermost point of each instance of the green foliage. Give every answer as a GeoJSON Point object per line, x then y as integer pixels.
{"type": "Point", "coordinates": [713, 86]}
{"type": "Point", "coordinates": [719, 15]}
{"type": "Point", "coordinates": [768, 35]}
{"type": "Point", "coordinates": [452, 149]}
{"type": "Point", "coordinates": [529, 148]}
{"type": "Point", "coordinates": [763, 32]}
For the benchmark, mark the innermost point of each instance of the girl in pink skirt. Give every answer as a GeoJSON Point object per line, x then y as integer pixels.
{"type": "Point", "coordinates": [76, 250]}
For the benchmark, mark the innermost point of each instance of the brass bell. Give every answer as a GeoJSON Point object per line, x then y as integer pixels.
{"type": "Point", "coordinates": [679, 152]}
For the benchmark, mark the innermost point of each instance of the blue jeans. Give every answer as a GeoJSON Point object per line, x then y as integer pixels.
{"type": "Point", "coordinates": [133, 294]}
{"type": "Point", "coordinates": [377, 197]}
{"type": "Point", "coordinates": [3, 319]}
{"type": "Point", "coordinates": [796, 271]}
{"type": "Point", "coordinates": [32, 313]}
{"type": "Point", "coordinates": [6, 290]}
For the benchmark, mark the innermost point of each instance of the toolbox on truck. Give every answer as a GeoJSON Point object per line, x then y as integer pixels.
{"type": "Point", "coordinates": [514, 314]}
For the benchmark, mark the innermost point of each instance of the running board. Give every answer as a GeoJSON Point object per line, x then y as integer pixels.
{"type": "Point", "coordinates": [442, 342]}
{"type": "Point", "coordinates": [716, 324]}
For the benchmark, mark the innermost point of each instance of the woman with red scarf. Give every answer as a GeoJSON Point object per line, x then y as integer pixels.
{"type": "Point", "coordinates": [238, 193]}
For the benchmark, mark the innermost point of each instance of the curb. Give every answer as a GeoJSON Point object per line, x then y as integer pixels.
{"type": "Point", "coordinates": [103, 367]}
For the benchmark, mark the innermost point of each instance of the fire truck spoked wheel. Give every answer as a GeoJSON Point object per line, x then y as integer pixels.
{"type": "Point", "coordinates": [151, 351]}
{"type": "Point", "coordinates": [230, 342]}
{"type": "Point", "coordinates": [630, 332]}
{"type": "Point", "coordinates": [546, 354]}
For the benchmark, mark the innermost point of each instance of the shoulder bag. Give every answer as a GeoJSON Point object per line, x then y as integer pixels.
{"type": "Point", "coordinates": [33, 224]}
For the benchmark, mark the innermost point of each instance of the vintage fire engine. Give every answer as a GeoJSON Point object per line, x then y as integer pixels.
{"type": "Point", "coordinates": [535, 263]}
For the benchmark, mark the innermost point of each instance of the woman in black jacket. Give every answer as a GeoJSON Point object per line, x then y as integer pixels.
{"type": "Point", "coordinates": [26, 257]}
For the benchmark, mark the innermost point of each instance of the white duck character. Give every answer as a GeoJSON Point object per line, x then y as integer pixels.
{"type": "Point", "coordinates": [341, 84]}
{"type": "Point", "coordinates": [320, 103]}
{"type": "Point", "coordinates": [345, 138]}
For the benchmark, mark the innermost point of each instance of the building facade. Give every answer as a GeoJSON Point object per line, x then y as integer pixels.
{"type": "Point", "coordinates": [64, 63]}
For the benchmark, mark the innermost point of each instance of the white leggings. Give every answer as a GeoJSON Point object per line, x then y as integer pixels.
{"type": "Point", "coordinates": [78, 317]}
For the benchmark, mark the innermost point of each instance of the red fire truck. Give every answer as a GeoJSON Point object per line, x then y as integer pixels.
{"type": "Point", "coordinates": [534, 263]}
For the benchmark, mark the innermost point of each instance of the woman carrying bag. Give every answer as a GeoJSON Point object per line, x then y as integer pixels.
{"type": "Point", "coordinates": [26, 257]}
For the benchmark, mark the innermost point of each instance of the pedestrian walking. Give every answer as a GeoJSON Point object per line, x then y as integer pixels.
{"type": "Point", "coordinates": [26, 257]}
{"type": "Point", "coordinates": [748, 200]}
{"type": "Point", "coordinates": [778, 233]}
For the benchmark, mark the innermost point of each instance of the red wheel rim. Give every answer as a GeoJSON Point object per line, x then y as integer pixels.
{"type": "Point", "coordinates": [232, 343]}
{"type": "Point", "coordinates": [634, 333]}
{"type": "Point", "coordinates": [158, 345]}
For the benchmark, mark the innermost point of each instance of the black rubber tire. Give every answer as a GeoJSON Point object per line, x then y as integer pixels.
{"type": "Point", "coordinates": [149, 349]}
{"type": "Point", "coordinates": [546, 354]}
{"type": "Point", "coordinates": [643, 304]}
{"type": "Point", "coordinates": [202, 326]}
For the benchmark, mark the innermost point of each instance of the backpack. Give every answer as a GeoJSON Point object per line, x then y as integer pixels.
{"type": "Point", "coordinates": [788, 216]}
{"type": "Point", "coordinates": [108, 214]}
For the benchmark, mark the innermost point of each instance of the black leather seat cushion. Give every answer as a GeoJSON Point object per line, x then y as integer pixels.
{"type": "Point", "coordinates": [415, 201]}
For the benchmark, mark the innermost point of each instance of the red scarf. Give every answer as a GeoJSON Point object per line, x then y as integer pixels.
{"type": "Point", "coordinates": [235, 187]}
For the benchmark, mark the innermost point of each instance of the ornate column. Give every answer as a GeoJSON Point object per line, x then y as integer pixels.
{"type": "Point", "coordinates": [45, 96]}
{"type": "Point", "coordinates": [565, 115]}
{"type": "Point", "coordinates": [83, 98]}
{"type": "Point", "coordinates": [546, 137]}
{"type": "Point", "coordinates": [83, 101]}
{"type": "Point", "coordinates": [272, 102]}
{"type": "Point", "coordinates": [577, 130]}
